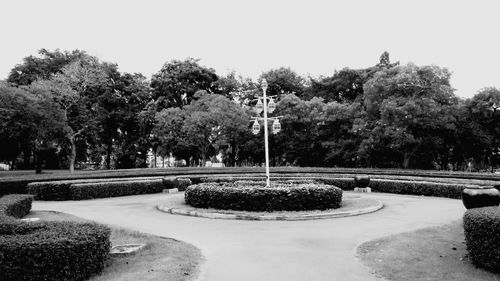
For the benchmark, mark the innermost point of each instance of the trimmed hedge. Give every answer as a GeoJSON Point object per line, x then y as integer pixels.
{"type": "Point", "coordinates": [60, 190]}
{"type": "Point", "coordinates": [82, 191]}
{"type": "Point", "coordinates": [482, 237]}
{"type": "Point", "coordinates": [17, 184]}
{"type": "Point", "coordinates": [280, 197]}
{"type": "Point", "coordinates": [15, 205]}
{"type": "Point", "coordinates": [55, 251]}
{"type": "Point", "coordinates": [48, 250]}
{"type": "Point", "coordinates": [11, 207]}
{"type": "Point", "coordinates": [437, 189]}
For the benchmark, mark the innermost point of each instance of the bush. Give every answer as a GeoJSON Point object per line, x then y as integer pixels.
{"type": "Point", "coordinates": [482, 237]}
{"type": "Point", "coordinates": [48, 250]}
{"type": "Point", "coordinates": [183, 183]}
{"type": "Point", "coordinates": [15, 205]}
{"type": "Point", "coordinates": [280, 197]}
{"type": "Point", "coordinates": [55, 251]}
{"type": "Point", "coordinates": [11, 207]}
{"type": "Point", "coordinates": [451, 190]}
{"type": "Point", "coordinates": [82, 191]}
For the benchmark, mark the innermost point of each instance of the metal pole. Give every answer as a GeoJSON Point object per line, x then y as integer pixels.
{"type": "Point", "coordinates": [266, 144]}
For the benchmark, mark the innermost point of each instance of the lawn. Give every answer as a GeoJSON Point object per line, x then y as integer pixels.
{"type": "Point", "coordinates": [430, 254]}
{"type": "Point", "coordinates": [161, 259]}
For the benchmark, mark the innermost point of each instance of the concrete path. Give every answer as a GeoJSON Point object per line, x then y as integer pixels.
{"type": "Point", "coordinates": [271, 250]}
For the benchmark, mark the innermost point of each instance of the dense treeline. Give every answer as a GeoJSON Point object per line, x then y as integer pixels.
{"type": "Point", "coordinates": [64, 109]}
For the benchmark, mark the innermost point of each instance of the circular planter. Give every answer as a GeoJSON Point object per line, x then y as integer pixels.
{"type": "Point", "coordinates": [244, 196]}
{"type": "Point", "coordinates": [478, 197]}
{"type": "Point", "coordinates": [361, 181]}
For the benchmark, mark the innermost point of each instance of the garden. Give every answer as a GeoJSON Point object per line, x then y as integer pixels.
{"type": "Point", "coordinates": [356, 176]}
{"type": "Point", "coordinates": [64, 247]}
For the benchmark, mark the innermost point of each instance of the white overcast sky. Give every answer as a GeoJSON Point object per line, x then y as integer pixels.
{"type": "Point", "coordinates": [312, 37]}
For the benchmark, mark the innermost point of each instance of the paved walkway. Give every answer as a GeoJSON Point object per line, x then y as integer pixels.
{"type": "Point", "coordinates": [271, 250]}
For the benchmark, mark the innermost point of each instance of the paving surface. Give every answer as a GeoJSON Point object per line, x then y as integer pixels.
{"type": "Point", "coordinates": [271, 250]}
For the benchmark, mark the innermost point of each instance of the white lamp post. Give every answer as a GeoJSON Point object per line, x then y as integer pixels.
{"type": "Point", "coordinates": [263, 106]}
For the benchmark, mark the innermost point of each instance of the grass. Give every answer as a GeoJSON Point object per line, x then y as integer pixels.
{"type": "Point", "coordinates": [430, 254]}
{"type": "Point", "coordinates": [162, 258]}
{"type": "Point", "coordinates": [350, 202]}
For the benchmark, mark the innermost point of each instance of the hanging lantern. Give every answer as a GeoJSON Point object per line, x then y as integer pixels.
{"type": "Point", "coordinates": [271, 106]}
{"type": "Point", "coordinates": [259, 106]}
{"type": "Point", "coordinates": [255, 127]}
{"type": "Point", "coordinates": [276, 126]}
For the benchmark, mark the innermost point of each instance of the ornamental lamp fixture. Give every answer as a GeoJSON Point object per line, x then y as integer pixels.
{"type": "Point", "coordinates": [259, 106]}
{"type": "Point", "coordinates": [255, 127]}
{"type": "Point", "coordinates": [271, 106]}
{"type": "Point", "coordinates": [276, 126]}
{"type": "Point", "coordinates": [264, 85]}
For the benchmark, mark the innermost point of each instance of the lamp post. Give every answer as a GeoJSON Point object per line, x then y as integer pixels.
{"type": "Point", "coordinates": [262, 105]}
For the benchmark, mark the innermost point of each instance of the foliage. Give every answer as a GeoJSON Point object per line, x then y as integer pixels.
{"type": "Point", "coordinates": [83, 191]}
{"type": "Point", "coordinates": [48, 250]}
{"type": "Point", "coordinates": [289, 197]}
{"type": "Point", "coordinates": [202, 127]}
{"type": "Point", "coordinates": [283, 80]}
{"type": "Point", "coordinates": [482, 237]}
{"type": "Point", "coordinates": [43, 67]}
{"type": "Point", "coordinates": [177, 82]}
{"type": "Point", "coordinates": [55, 251]}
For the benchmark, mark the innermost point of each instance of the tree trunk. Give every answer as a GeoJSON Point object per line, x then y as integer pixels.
{"type": "Point", "coordinates": [72, 155]}
{"type": "Point", "coordinates": [38, 162]}
{"type": "Point", "coordinates": [109, 150]}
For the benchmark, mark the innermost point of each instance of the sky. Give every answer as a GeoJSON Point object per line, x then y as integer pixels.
{"type": "Point", "coordinates": [311, 37]}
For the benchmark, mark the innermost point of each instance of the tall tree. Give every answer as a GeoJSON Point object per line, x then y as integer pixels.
{"type": "Point", "coordinates": [207, 124]}
{"type": "Point", "coordinates": [177, 82]}
{"type": "Point", "coordinates": [283, 80]}
{"type": "Point", "coordinates": [42, 67]}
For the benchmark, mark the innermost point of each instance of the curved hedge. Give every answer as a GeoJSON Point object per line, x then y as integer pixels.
{"type": "Point", "coordinates": [48, 250]}
{"type": "Point", "coordinates": [482, 236]}
{"type": "Point", "coordinates": [280, 197]}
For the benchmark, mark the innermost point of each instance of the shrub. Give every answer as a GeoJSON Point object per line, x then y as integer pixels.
{"type": "Point", "coordinates": [11, 207]}
{"type": "Point", "coordinates": [482, 236]}
{"type": "Point", "coordinates": [48, 250]}
{"type": "Point", "coordinates": [55, 251]}
{"type": "Point", "coordinates": [451, 190]}
{"type": "Point", "coordinates": [183, 183]}
{"type": "Point", "coordinates": [82, 191]}
{"type": "Point", "coordinates": [15, 205]}
{"type": "Point", "coordinates": [280, 197]}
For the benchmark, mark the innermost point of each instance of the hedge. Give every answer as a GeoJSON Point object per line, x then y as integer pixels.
{"type": "Point", "coordinates": [55, 251]}
{"type": "Point", "coordinates": [280, 197]}
{"type": "Point", "coordinates": [12, 207]}
{"type": "Point", "coordinates": [60, 190]}
{"type": "Point", "coordinates": [437, 189]}
{"type": "Point", "coordinates": [82, 191]}
{"type": "Point", "coordinates": [48, 250]}
{"type": "Point", "coordinates": [17, 184]}
{"type": "Point", "coordinates": [482, 237]}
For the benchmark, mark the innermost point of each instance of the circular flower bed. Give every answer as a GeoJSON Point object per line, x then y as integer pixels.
{"type": "Point", "coordinates": [245, 196]}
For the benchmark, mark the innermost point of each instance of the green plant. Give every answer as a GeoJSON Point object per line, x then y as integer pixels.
{"type": "Point", "coordinates": [482, 236]}
{"type": "Point", "coordinates": [48, 250]}
{"type": "Point", "coordinates": [250, 197]}
{"type": "Point", "coordinates": [451, 190]}
{"type": "Point", "coordinates": [82, 191]}
{"type": "Point", "coordinates": [55, 251]}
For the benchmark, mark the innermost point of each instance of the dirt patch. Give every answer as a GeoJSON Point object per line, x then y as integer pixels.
{"type": "Point", "coordinates": [431, 254]}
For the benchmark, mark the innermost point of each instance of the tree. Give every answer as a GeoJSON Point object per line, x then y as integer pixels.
{"type": "Point", "coordinates": [177, 82]}
{"type": "Point", "coordinates": [483, 120]}
{"type": "Point", "coordinates": [408, 109]}
{"type": "Point", "coordinates": [344, 86]}
{"type": "Point", "coordinates": [40, 68]}
{"type": "Point", "coordinates": [30, 121]}
{"type": "Point", "coordinates": [202, 127]}
{"type": "Point", "coordinates": [75, 91]}
{"type": "Point", "coordinates": [283, 81]}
